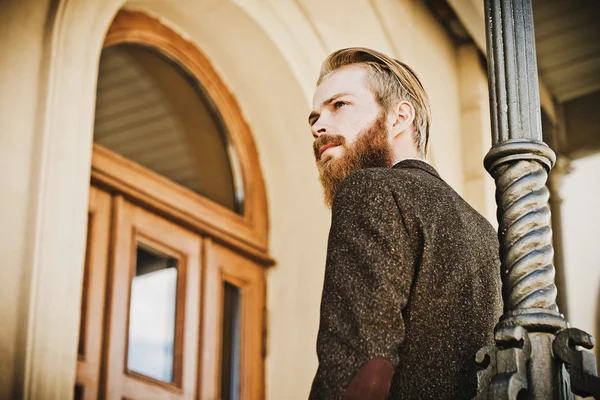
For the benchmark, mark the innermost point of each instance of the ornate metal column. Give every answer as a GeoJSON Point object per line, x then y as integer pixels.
{"type": "Point", "coordinates": [533, 344]}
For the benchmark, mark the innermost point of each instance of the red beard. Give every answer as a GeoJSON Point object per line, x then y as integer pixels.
{"type": "Point", "coordinates": [371, 149]}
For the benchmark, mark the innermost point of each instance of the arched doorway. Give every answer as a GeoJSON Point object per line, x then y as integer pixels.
{"type": "Point", "coordinates": [174, 288]}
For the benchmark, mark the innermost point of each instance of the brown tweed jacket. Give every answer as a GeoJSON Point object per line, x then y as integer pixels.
{"type": "Point", "coordinates": [412, 289]}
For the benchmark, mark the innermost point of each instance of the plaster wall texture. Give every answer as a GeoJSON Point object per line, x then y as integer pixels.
{"type": "Point", "coordinates": [22, 22]}
{"type": "Point", "coordinates": [581, 230]}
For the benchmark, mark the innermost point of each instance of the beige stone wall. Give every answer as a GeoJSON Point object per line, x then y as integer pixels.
{"type": "Point", "coordinates": [268, 53]}
{"type": "Point", "coordinates": [17, 172]}
{"type": "Point", "coordinates": [580, 191]}
{"type": "Point", "coordinates": [476, 140]}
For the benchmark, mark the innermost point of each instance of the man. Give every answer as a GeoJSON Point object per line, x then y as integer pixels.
{"type": "Point", "coordinates": [412, 279]}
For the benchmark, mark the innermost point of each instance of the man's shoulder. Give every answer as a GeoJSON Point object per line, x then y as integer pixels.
{"type": "Point", "coordinates": [368, 183]}
{"type": "Point", "coordinates": [375, 177]}
{"type": "Point", "coordinates": [364, 186]}
{"type": "Point", "coordinates": [415, 191]}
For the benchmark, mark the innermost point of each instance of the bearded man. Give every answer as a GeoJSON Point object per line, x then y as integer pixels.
{"type": "Point", "coordinates": [412, 280]}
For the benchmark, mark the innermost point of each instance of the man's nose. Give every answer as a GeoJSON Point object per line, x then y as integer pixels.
{"type": "Point", "coordinates": [319, 128]}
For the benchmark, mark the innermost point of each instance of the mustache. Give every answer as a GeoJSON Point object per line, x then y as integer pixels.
{"type": "Point", "coordinates": [337, 140]}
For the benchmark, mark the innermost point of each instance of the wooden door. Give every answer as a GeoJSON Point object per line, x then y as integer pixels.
{"type": "Point", "coordinates": [153, 309]}
{"type": "Point", "coordinates": [166, 313]}
{"type": "Point", "coordinates": [233, 320]}
{"type": "Point", "coordinates": [88, 383]}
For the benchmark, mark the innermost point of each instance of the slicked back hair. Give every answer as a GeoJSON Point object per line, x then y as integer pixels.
{"type": "Point", "coordinates": [391, 81]}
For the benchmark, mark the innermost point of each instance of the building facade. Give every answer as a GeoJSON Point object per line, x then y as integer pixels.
{"type": "Point", "coordinates": [159, 189]}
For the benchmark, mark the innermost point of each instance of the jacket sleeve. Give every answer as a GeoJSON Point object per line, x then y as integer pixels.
{"type": "Point", "coordinates": [371, 259]}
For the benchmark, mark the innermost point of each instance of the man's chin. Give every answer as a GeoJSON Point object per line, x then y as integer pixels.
{"type": "Point", "coordinates": [329, 157]}
{"type": "Point", "coordinates": [325, 162]}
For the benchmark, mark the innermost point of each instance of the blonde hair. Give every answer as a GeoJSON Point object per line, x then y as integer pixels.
{"type": "Point", "coordinates": [391, 81]}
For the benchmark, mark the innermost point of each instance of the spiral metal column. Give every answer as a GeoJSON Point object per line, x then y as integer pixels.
{"type": "Point", "coordinates": [523, 363]}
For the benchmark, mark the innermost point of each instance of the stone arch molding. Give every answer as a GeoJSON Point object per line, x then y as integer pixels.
{"type": "Point", "coordinates": [74, 33]}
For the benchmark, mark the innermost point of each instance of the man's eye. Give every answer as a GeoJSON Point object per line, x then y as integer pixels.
{"type": "Point", "coordinates": [338, 104]}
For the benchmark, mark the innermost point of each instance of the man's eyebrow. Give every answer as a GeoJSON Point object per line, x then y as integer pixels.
{"type": "Point", "coordinates": [325, 103]}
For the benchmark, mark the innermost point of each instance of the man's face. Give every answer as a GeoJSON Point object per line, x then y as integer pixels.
{"type": "Point", "coordinates": [349, 127]}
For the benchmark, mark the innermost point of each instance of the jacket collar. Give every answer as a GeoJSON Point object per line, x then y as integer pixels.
{"type": "Point", "coordinates": [419, 164]}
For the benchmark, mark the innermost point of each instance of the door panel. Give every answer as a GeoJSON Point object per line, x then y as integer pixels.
{"type": "Point", "coordinates": [153, 315]}
{"type": "Point", "coordinates": [93, 296]}
{"type": "Point", "coordinates": [232, 359]}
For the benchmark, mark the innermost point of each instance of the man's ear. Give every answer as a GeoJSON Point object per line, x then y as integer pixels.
{"type": "Point", "coordinates": [403, 115]}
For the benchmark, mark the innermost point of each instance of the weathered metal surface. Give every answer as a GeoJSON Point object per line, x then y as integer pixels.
{"type": "Point", "coordinates": [513, 80]}
{"type": "Point", "coordinates": [543, 370]}
{"type": "Point", "coordinates": [524, 366]}
{"type": "Point", "coordinates": [512, 358]}
{"type": "Point", "coordinates": [520, 169]}
{"type": "Point", "coordinates": [565, 384]}
{"type": "Point", "coordinates": [580, 363]}
{"type": "Point", "coordinates": [487, 361]}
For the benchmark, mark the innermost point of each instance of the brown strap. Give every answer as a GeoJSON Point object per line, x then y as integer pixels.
{"type": "Point", "coordinates": [371, 382]}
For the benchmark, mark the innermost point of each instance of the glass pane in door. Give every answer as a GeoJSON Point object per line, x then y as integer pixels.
{"type": "Point", "coordinates": [230, 356]}
{"type": "Point", "coordinates": [152, 315]}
